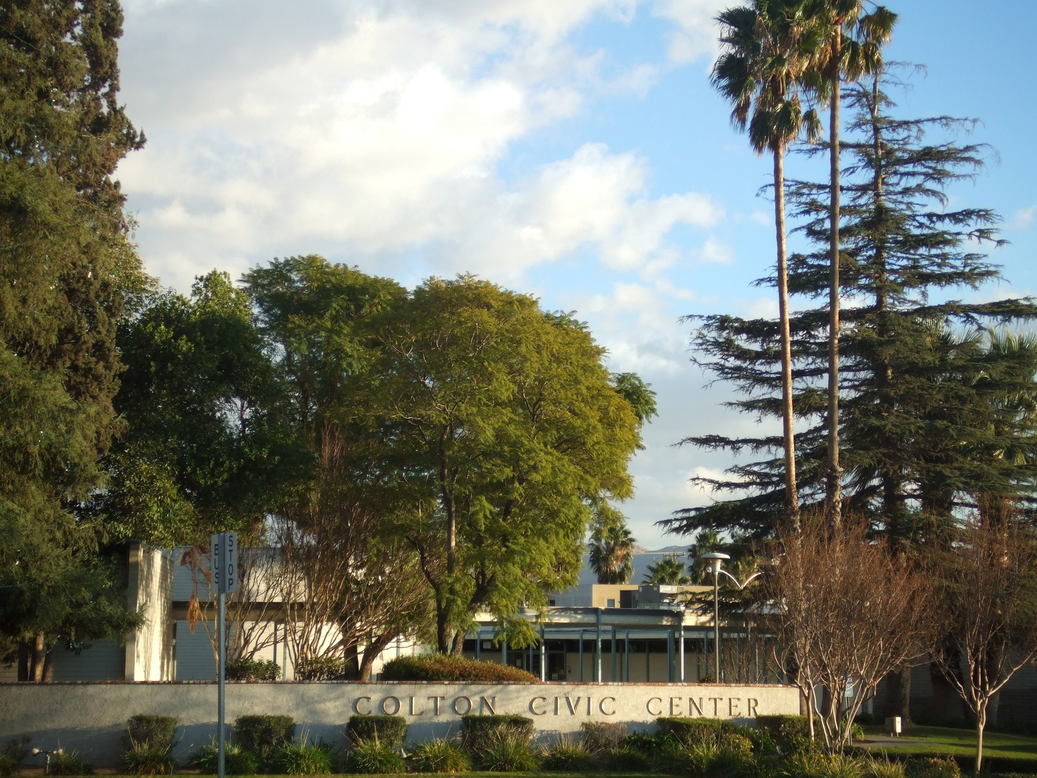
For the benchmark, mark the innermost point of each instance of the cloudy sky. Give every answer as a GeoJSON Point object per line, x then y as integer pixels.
{"type": "Point", "coordinates": [570, 149]}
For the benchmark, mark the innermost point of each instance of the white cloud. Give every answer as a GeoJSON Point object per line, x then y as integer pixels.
{"type": "Point", "coordinates": [374, 132]}
{"type": "Point", "coordinates": [1023, 218]}
{"type": "Point", "coordinates": [695, 32]}
{"type": "Point", "coordinates": [716, 252]}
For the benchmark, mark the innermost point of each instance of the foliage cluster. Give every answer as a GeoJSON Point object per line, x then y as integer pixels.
{"type": "Point", "coordinates": [149, 745]}
{"type": "Point", "coordinates": [442, 667]}
{"type": "Point", "coordinates": [390, 731]}
{"type": "Point", "coordinates": [245, 669]}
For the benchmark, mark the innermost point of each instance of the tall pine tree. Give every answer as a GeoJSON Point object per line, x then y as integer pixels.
{"type": "Point", "coordinates": [67, 267]}
{"type": "Point", "coordinates": [910, 389]}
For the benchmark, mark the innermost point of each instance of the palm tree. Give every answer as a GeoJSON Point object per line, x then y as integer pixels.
{"type": "Point", "coordinates": [612, 549]}
{"type": "Point", "coordinates": [768, 49]}
{"type": "Point", "coordinates": [667, 571]}
{"type": "Point", "coordinates": [842, 55]}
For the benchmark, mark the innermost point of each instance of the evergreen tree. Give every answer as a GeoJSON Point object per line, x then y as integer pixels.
{"type": "Point", "coordinates": [67, 267]}
{"type": "Point", "coordinates": [909, 389]}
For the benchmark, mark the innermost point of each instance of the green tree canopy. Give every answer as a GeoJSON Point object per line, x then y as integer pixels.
{"type": "Point", "coordinates": [506, 429]}
{"type": "Point", "coordinates": [67, 268]}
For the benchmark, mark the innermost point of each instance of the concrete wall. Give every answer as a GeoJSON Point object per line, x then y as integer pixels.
{"type": "Point", "coordinates": [91, 718]}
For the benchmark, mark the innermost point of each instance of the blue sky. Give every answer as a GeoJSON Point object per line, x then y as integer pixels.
{"type": "Point", "coordinates": [571, 150]}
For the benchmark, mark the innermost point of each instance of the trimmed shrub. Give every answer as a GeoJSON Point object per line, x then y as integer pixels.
{"type": "Point", "coordinates": [598, 736]}
{"type": "Point", "coordinates": [440, 667]}
{"type": "Point", "coordinates": [263, 735]}
{"type": "Point", "coordinates": [762, 742]}
{"type": "Point", "coordinates": [236, 760]}
{"type": "Point", "coordinates": [151, 731]}
{"type": "Point", "coordinates": [477, 732]}
{"type": "Point", "coordinates": [567, 754]}
{"type": "Point", "coordinates": [320, 668]}
{"type": "Point", "coordinates": [505, 750]}
{"type": "Point", "coordinates": [372, 757]}
{"type": "Point", "coordinates": [388, 730]}
{"type": "Point", "coordinates": [691, 731]}
{"type": "Point", "coordinates": [791, 734]}
{"type": "Point", "coordinates": [439, 756]}
{"type": "Point", "coordinates": [253, 670]}
{"type": "Point", "coordinates": [303, 759]}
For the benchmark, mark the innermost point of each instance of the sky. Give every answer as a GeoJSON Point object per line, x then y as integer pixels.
{"type": "Point", "coordinates": [568, 149]}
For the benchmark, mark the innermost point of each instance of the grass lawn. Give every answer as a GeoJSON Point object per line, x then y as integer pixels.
{"type": "Point", "coordinates": [958, 742]}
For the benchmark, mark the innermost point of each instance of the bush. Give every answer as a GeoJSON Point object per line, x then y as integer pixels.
{"type": "Point", "coordinates": [932, 767]}
{"type": "Point", "coordinates": [440, 667]}
{"type": "Point", "coordinates": [477, 732]}
{"type": "Point", "coordinates": [372, 757]}
{"type": "Point", "coordinates": [12, 755]}
{"type": "Point", "coordinates": [252, 670]}
{"type": "Point", "coordinates": [303, 759]}
{"type": "Point", "coordinates": [144, 759]}
{"type": "Point", "coordinates": [320, 668]}
{"type": "Point", "coordinates": [505, 750]}
{"type": "Point", "coordinates": [567, 754]}
{"type": "Point", "coordinates": [68, 763]}
{"type": "Point", "coordinates": [815, 764]}
{"type": "Point", "coordinates": [599, 736]}
{"type": "Point", "coordinates": [791, 734]}
{"type": "Point", "coordinates": [763, 743]}
{"type": "Point", "coordinates": [884, 768]}
{"type": "Point", "coordinates": [236, 760]}
{"type": "Point", "coordinates": [263, 735]}
{"type": "Point", "coordinates": [149, 745]}
{"type": "Point", "coordinates": [439, 756]}
{"type": "Point", "coordinates": [691, 731]}
{"type": "Point", "coordinates": [388, 730]}
{"type": "Point", "coordinates": [623, 758]}
{"type": "Point", "coordinates": [148, 730]}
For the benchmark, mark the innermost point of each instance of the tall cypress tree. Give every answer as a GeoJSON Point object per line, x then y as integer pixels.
{"type": "Point", "coordinates": [909, 389]}
{"type": "Point", "coordinates": [67, 267]}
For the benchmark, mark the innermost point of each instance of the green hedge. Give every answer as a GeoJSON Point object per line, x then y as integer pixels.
{"type": "Point", "coordinates": [390, 731]}
{"type": "Point", "coordinates": [263, 735]}
{"type": "Point", "coordinates": [151, 731]}
{"type": "Point", "coordinates": [252, 670]}
{"type": "Point", "coordinates": [440, 667]}
{"type": "Point", "coordinates": [477, 732]}
{"type": "Point", "coordinates": [691, 731]}
{"type": "Point", "coordinates": [791, 734]}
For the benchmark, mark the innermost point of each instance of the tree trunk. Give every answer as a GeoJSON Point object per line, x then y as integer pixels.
{"type": "Point", "coordinates": [788, 422]}
{"type": "Point", "coordinates": [981, 723]}
{"type": "Point", "coordinates": [38, 658]}
{"type": "Point", "coordinates": [897, 697]}
{"type": "Point", "coordinates": [833, 492]}
{"type": "Point", "coordinates": [374, 648]}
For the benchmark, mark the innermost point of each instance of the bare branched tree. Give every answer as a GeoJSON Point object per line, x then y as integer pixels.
{"type": "Point", "coordinates": [347, 585]}
{"type": "Point", "coordinates": [988, 606]}
{"type": "Point", "coordinates": [846, 612]}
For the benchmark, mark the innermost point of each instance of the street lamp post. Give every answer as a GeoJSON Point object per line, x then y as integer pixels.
{"type": "Point", "coordinates": [716, 560]}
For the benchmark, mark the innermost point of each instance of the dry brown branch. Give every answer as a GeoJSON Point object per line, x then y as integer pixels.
{"type": "Point", "coordinates": [988, 606]}
{"type": "Point", "coordinates": [846, 612]}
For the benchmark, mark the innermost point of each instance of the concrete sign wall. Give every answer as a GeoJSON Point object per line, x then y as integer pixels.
{"type": "Point", "coordinates": [91, 718]}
